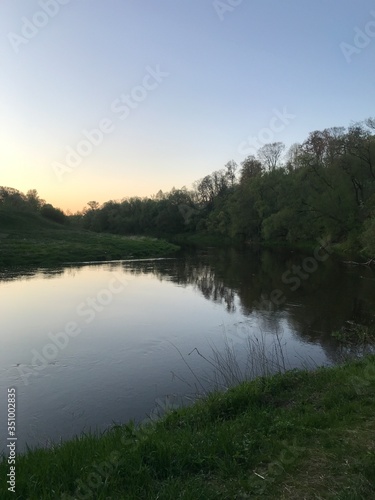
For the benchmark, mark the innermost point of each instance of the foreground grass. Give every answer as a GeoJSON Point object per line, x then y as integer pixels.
{"type": "Point", "coordinates": [28, 239]}
{"type": "Point", "coordinates": [301, 435]}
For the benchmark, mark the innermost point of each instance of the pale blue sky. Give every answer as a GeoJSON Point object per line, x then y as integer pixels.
{"type": "Point", "coordinates": [227, 75]}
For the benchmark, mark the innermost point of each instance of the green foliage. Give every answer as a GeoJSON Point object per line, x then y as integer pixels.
{"type": "Point", "coordinates": [33, 200]}
{"type": "Point", "coordinates": [52, 213]}
{"type": "Point", "coordinates": [325, 187]}
{"type": "Point", "coordinates": [277, 225]}
{"type": "Point", "coordinates": [354, 334]}
{"type": "Point", "coordinates": [368, 237]}
{"type": "Point", "coordinates": [12, 199]}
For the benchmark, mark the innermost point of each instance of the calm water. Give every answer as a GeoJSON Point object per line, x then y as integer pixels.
{"type": "Point", "coordinates": [90, 345]}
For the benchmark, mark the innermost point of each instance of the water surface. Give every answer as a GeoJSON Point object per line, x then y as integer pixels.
{"type": "Point", "coordinates": [90, 345]}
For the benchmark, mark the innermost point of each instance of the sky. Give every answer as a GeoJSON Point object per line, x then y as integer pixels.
{"type": "Point", "coordinates": [101, 100]}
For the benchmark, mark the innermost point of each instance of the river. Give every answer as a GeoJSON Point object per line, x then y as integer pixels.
{"type": "Point", "coordinates": [90, 345]}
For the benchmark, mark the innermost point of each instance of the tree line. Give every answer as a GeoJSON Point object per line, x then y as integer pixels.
{"type": "Point", "coordinates": [323, 187]}
{"type": "Point", "coordinates": [13, 200]}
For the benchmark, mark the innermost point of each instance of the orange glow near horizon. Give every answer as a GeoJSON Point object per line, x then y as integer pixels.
{"type": "Point", "coordinates": [31, 168]}
{"type": "Point", "coordinates": [78, 188]}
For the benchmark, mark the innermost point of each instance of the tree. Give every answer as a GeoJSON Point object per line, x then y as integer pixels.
{"type": "Point", "coordinates": [251, 167]}
{"type": "Point", "coordinates": [294, 157]}
{"type": "Point", "coordinates": [55, 214]}
{"type": "Point", "coordinates": [94, 205]}
{"type": "Point", "coordinates": [12, 199]}
{"type": "Point", "coordinates": [270, 154]}
{"type": "Point", "coordinates": [368, 237]}
{"type": "Point", "coordinates": [205, 190]}
{"type": "Point", "coordinates": [35, 203]}
{"type": "Point", "coordinates": [360, 143]}
{"type": "Point", "coordinates": [370, 123]}
{"type": "Point", "coordinates": [231, 168]}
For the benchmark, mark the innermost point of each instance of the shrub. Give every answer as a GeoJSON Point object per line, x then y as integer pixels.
{"type": "Point", "coordinates": [52, 213]}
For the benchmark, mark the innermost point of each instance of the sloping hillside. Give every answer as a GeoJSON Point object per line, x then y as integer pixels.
{"type": "Point", "coordinates": [29, 239]}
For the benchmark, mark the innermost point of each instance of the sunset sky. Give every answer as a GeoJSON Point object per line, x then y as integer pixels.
{"type": "Point", "coordinates": [102, 100]}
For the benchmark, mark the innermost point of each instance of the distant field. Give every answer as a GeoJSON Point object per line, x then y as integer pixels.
{"type": "Point", "coordinates": [29, 239]}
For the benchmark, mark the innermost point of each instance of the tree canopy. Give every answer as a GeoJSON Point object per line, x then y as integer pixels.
{"type": "Point", "coordinates": [324, 187]}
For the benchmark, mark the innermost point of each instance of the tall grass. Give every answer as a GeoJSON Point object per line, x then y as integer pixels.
{"type": "Point", "coordinates": [262, 358]}
{"type": "Point", "coordinates": [230, 364]}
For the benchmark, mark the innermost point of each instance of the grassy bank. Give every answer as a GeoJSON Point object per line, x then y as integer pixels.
{"type": "Point", "coordinates": [301, 435]}
{"type": "Point", "coordinates": [345, 250]}
{"type": "Point", "coordinates": [215, 240]}
{"type": "Point", "coordinates": [28, 239]}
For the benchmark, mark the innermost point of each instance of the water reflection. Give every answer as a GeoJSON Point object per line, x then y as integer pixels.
{"type": "Point", "coordinates": [325, 300]}
{"type": "Point", "coordinates": [121, 361]}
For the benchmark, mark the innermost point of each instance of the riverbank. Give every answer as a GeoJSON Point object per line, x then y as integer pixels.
{"type": "Point", "coordinates": [344, 250]}
{"type": "Point", "coordinates": [200, 240]}
{"type": "Point", "coordinates": [28, 239]}
{"type": "Point", "coordinates": [297, 435]}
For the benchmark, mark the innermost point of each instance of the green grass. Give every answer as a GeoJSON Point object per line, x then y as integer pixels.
{"type": "Point", "coordinates": [300, 435]}
{"type": "Point", "coordinates": [28, 239]}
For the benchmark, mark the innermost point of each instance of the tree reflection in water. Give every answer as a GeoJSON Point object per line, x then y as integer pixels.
{"type": "Point", "coordinates": [243, 278]}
